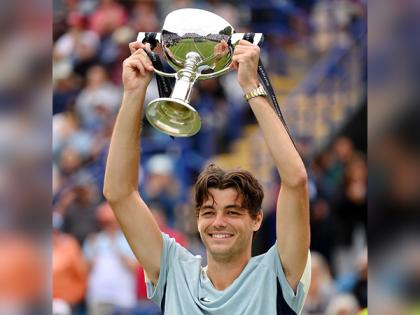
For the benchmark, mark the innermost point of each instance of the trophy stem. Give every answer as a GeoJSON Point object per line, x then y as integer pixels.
{"type": "Point", "coordinates": [186, 78]}
{"type": "Point", "coordinates": [174, 115]}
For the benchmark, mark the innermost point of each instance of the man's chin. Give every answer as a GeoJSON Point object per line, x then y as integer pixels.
{"type": "Point", "coordinates": [219, 255]}
{"type": "Point", "coordinates": [220, 250]}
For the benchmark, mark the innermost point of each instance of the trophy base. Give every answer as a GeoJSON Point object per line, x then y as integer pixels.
{"type": "Point", "coordinates": [173, 117]}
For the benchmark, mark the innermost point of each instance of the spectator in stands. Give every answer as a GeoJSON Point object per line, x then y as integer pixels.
{"type": "Point", "coordinates": [66, 87]}
{"type": "Point", "coordinates": [340, 175]}
{"type": "Point", "coordinates": [160, 186]}
{"type": "Point", "coordinates": [98, 101]}
{"type": "Point", "coordinates": [344, 304]}
{"type": "Point", "coordinates": [350, 209]}
{"type": "Point", "coordinates": [344, 152]}
{"type": "Point", "coordinates": [144, 17]}
{"type": "Point", "coordinates": [72, 144]}
{"type": "Point", "coordinates": [226, 10]}
{"type": "Point", "coordinates": [70, 161]}
{"type": "Point", "coordinates": [321, 289]}
{"type": "Point", "coordinates": [78, 45]}
{"type": "Point", "coordinates": [107, 17]}
{"type": "Point", "coordinates": [322, 228]}
{"type": "Point", "coordinates": [111, 282]}
{"type": "Point", "coordinates": [69, 269]}
{"type": "Point", "coordinates": [77, 204]}
{"type": "Point", "coordinates": [355, 282]}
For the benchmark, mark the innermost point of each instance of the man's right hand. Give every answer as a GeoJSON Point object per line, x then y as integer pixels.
{"type": "Point", "coordinates": [137, 69]}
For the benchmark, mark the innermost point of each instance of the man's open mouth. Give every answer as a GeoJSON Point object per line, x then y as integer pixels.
{"type": "Point", "coordinates": [220, 235]}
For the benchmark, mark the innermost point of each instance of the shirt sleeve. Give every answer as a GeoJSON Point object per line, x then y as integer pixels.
{"type": "Point", "coordinates": [156, 293]}
{"type": "Point", "coordinates": [294, 300]}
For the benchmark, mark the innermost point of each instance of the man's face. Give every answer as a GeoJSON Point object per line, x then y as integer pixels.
{"type": "Point", "coordinates": [225, 227]}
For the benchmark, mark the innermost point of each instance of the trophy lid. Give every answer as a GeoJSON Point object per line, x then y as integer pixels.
{"type": "Point", "coordinates": [199, 31]}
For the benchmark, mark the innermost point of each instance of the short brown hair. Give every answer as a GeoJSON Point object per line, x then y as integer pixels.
{"type": "Point", "coordinates": [242, 181]}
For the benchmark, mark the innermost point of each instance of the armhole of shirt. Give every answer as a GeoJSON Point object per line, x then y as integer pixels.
{"type": "Point", "coordinates": [293, 300]}
{"type": "Point", "coordinates": [162, 304]}
{"type": "Point", "coordinates": [282, 307]}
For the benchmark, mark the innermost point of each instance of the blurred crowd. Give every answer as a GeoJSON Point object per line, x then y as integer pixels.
{"type": "Point", "coordinates": [93, 269]}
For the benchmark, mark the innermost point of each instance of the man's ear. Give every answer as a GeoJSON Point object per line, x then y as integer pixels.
{"type": "Point", "coordinates": [258, 221]}
{"type": "Point", "coordinates": [198, 226]}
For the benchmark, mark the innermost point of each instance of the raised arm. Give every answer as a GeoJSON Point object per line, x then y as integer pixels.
{"type": "Point", "coordinates": [292, 218]}
{"type": "Point", "coordinates": [122, 167]}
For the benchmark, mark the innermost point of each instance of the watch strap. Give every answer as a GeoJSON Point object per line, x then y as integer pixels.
{"type": "Point", "coordinates": [259, 91]}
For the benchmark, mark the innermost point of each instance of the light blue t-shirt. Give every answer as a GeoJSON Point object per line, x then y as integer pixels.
{"type": "Point", "coordinates": [183, 287]}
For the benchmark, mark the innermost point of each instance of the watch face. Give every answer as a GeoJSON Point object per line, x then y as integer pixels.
{"type": "Point", "coordinates": [261, 90]}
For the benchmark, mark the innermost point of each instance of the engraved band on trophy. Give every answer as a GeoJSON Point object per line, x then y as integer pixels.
{"type": "Point", "coordinates": [198, 45]}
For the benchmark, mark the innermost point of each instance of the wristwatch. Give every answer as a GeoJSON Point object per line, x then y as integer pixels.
{"type": "Point", "coordinates": [259, 91]}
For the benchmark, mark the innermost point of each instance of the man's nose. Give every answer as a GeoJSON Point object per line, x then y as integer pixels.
{"type": "Point", "coordinates": [219, 220]}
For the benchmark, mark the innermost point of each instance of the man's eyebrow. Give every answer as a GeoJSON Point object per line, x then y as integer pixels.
{"type": "Point", "coordinates": [206, 207]}
{"type": "Point", "coordinates": [235, 206]}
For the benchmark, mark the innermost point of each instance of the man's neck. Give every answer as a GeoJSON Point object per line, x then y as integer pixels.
{"type": "Point", "coordinates": [223, 272]}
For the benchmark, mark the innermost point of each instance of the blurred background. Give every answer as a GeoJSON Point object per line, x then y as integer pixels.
{"type": "Point", "coordinates": [394, 142]}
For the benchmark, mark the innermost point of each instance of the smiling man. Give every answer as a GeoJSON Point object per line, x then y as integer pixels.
{"type": "Point", "coordinates": [228, 209]}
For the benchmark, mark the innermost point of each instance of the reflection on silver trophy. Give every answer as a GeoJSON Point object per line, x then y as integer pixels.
{"type": "Point", "coordinates": [198, 45]}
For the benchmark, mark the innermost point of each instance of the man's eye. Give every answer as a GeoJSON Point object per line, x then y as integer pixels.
{"type": "Point", "coordinates": [207, 213]}
{"type": "Point", "coordinates": [234, 213]}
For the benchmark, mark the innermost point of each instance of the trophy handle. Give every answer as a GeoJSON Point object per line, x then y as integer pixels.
{"type": "Point", "coordinates": [164, 74]}
{"type": "Point", "coordinates": [153, 39]}
{"type": "Point", "coordinates": [150, 37]}
{"type": "Point", "coordinates": [213, 74]}
{"type": "Point", "coordinates": [235, 38]}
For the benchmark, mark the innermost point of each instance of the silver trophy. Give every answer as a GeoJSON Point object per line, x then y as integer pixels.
{"type": "Point", "coordinates": [198, 45]}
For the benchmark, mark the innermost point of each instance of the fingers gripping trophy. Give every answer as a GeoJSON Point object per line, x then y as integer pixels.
{"type": "Point", "coordinates": [198, 45]}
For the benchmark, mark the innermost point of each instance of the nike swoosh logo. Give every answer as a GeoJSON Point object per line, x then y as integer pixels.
{"type": "Point", "coordinates": [205, 300]}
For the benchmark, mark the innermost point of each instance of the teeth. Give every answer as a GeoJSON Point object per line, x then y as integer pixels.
{"type": "Point", "coordinates": [220, 235]}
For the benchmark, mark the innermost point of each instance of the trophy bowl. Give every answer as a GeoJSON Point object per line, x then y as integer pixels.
{"type": "Point", "coordinates": [199, 31]}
